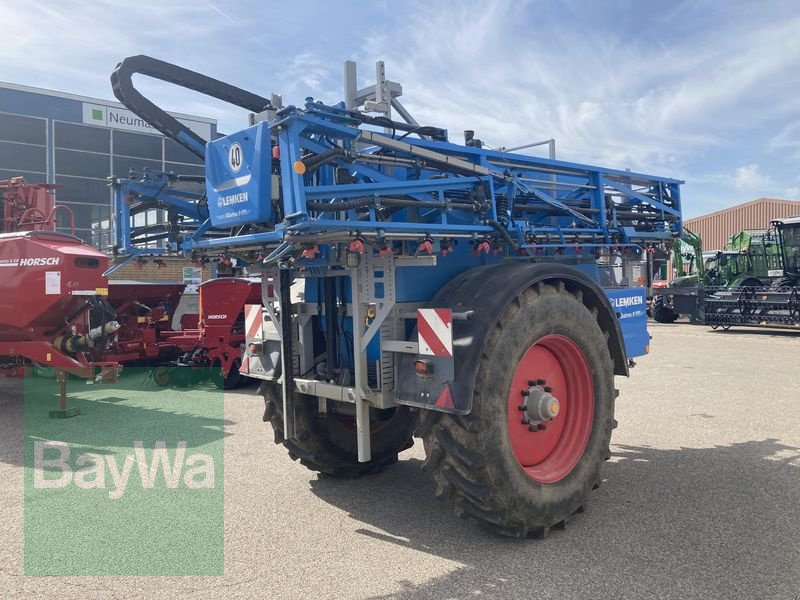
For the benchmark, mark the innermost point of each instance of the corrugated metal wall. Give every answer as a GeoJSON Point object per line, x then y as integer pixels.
{"type": "Point", "coordinates": [716, 228]}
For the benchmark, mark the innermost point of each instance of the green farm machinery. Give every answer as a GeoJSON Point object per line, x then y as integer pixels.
{"type": "Point", "coordinates": [774, 303]}
{"type": "Point", "coordinates": [750, 260]}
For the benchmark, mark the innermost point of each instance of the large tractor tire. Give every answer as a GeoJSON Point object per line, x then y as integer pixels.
{"type": "Point", "coordinates": [327, 443]}
{"type": "Point", "coordinates": [515, 478]}
{"type": "Point", "coordinates": [661, 312]}
{"type": "Point", "coordinates": [232, 380]}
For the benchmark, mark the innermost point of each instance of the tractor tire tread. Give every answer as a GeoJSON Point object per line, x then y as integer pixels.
{"type": "Point", "coordinates": [314, 451]}
{"type": "Point", "coordinates": [458, 462]}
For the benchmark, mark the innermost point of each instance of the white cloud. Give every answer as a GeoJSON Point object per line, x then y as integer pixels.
{"type": "Point", "coordinates": [692, 90]}
{"type": "Point", "coordinates": [750, 178]}
{"type": "Point", "coordinates": [792, 193]}
{"type": "Point", "coordinates": [787, 140]}
{"type": "Point", "coordinates": [605, 96]}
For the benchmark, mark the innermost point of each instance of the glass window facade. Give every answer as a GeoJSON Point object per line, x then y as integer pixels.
{"type": "Point", "coordinates": [23, 130]}
{"type": "Point", "coordinates": [23, 148]}
{"type": "Point", "coordinates": [84, 156]}
{"type": "Point", "coordinates": [43, 140]}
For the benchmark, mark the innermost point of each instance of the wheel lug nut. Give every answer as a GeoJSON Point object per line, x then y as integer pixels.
{"type": "Point", "coordinates": [533, 428]}
{"type": "Point", "coordinates": [525, 420]}
{"type": "Point", "coordinates": [526, 393]}
{"type": "Point", "coordinates": [523, 407]}
{"type": "Point", "coordinates": [541, 426]}
{"type": "Point", "coordinates": [548, 389]}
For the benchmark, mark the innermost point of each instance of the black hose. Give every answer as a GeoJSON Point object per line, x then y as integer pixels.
{"type": "Point", "coordinates": [504, 234]}
{"type": "Point", "coordinates": [124, 90]}
{"type": "Point", "coordinates": [397, 202]}
{"type": "Point", "coordinates": [317, 160]}
{"type": "Point", "coordinates": [408, 203]}
{"type": "Point", "coordinates": [340, 205]}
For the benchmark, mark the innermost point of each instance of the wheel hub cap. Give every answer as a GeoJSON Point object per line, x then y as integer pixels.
{"type": "Point", "coordinates": [550, 408]}
{"type": "Point", "coordinates": [541, 405]}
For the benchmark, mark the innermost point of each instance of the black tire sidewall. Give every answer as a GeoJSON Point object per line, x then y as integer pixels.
{"type": "Point", "coordinates": [234, 378]}
{"type": "Point", "coordinates": [551, 313]}
{"type": "Point", "coordinates": [326, 445]}
{"type": "Point", "coordinates": [662, 314]}
{"type": "Point", "coordinates": [386, 443]}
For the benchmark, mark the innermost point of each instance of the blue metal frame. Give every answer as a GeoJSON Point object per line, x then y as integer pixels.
{"type": "Point", "coordinates": [156, 188]}
{"type": "Point", "coordinates": [563, 202]}
{"type": "Point", "coordinates": [542, 204]}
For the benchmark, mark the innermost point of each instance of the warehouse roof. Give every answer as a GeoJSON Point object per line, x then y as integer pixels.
{"type": "Point", "coordinates": [792, 204]}
{"type": "Point", "coordinates": [715, 228]}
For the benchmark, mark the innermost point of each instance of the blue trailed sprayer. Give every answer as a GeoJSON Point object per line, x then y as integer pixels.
{"type": "Point", "coordinates": [482, 300]}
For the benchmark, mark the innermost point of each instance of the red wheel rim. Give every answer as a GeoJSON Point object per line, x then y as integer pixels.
{"type": "Point", "coordinates": [550, 454]}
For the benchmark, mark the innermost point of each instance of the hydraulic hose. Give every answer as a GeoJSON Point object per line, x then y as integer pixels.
{"type": "Point", "coordinates": [340, 205]}
{"type": "Point", "coordinates": [398, 202]}
{"type": "Point", "coordinates": [124, 90]}
{"type": "Point", "coordinates": [315, 161]}
{"type": "Point", "coordinates": [504, 234]}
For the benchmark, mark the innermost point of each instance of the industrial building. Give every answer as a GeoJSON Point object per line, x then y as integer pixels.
{"type": "Point", "coordinates": [715, 228]}
{"type": "Point", "coordinates": [77, 142]}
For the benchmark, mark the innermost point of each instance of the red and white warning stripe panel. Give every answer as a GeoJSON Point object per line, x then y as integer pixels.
{"type": "Point", "coordinates": [252, 320]}
{"type": "Point", "coordinates": [435, 331]}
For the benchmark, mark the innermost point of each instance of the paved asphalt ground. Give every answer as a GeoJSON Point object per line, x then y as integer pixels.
{"type": "Point", "coordinates": [700, 500]}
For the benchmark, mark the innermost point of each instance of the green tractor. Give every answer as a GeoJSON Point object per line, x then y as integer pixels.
{"type": "Point", "coordinates": [788, 234]}
{"type": "Point", "coordinates": [775, 305]}
{"type": "Point", "coordinates": [750, 259]}
{"type": "Point", "coordinates": [686, 261]}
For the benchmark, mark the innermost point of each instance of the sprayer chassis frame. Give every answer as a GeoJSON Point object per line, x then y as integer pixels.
{"type": "Point", "coordinates": [389, 320]}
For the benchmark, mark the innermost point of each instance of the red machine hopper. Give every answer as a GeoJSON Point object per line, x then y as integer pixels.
{"type": "Point", "coordinates": [51, 281]}
{"type": "Point", "coordinates": [220, 335]}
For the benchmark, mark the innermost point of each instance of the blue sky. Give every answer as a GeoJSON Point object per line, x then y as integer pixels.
{"type": "Point", "coordinates": [708, 92]}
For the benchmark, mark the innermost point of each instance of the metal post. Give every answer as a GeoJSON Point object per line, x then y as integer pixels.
{"type": "Point", "coordinates": [285, 291]}
{"type": "Point", "coordinates": [350, 84]}
{"type": "Point", "coordinates": [63, 412]}
{"type": "Point", "coordinates": [380, 87]}
{"type": "Point", "coordinates": [61, 377]}
{"type": "Point", "coordinates": [360, 366]}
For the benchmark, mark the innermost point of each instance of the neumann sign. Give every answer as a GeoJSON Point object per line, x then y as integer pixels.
{"type": "Point", "coordinates": [120, 118]}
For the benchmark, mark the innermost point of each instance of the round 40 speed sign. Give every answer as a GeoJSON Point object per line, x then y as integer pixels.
{"type": "Point", "coordinates": [235, 157]}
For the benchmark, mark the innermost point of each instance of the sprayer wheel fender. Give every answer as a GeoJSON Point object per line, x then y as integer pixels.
{"type": "Point", "coordinates": [327, 443]}
{"type": "Point", "coordinates": [516, 481]}
{"type": "Point", "coordinates": [661, 313]}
